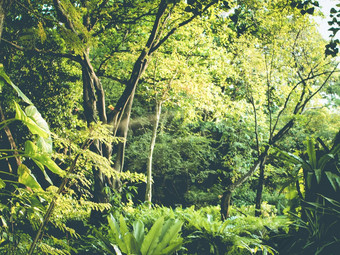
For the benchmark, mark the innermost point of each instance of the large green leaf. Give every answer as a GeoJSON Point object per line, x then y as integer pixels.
{"type": "Point", "coordinates": [171, 229]}
{"type": "Point", "coordinates": [41, 160]}
{"type": "Point", "coordinates": [126, 236]}
{"type": "Point", "coordinates": [172, 248]}
{"type": "Point", "coordinates": [27, 178]}
{"type": "Point", "coordinates": [333, 179]}
{"type": "Point", "coordinates": [115, 233]}
{"type": "Point", "coordinates": [311, 153]}
{"type": "Point", "coordinates": [318, 174]}
{"type": "Point", "coordinates": [32, 126]}
{"type": "Point", "coordinates": [138, 232]}
{"type": "Point", "coordinates": [151, 239]}
{"type": "Point", "coordinates": [5, 78]}
{"type": "Point", "coordinates": [2, 184]}
{"type": "Point", "coordinates": [44, 144]}
{"type": "Point", "coordinates": [50, 164]}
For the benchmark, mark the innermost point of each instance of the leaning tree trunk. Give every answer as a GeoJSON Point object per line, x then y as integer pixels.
{"type": "Point", "coordinates": [122, 131]}
{"type": "Point", "coordinates": [148, 192]}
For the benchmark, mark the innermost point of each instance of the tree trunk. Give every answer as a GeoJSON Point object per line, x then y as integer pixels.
{"type": "Point", "coordinates": [4, 7]}
{"type": "Point", "coordinates": [148, 192]}
{"type": "Point", "coordinates": [120, 116]}
{"type": "Point", "coordinates": [225, 204]}
{"type": "Point", "coordinates": [93, 93]}
{"type": "Point", "coordinates": [12, 144]}
{"type": "Point", "coordinates": [122, 132]}
{"type": "Point", "coordinates": [94, 110]}
{"type": "Point", "coordinates": [259, 191]}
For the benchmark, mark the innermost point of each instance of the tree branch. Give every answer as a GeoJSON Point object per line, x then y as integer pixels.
{"type": "Point", "coordinates": [63, 17]}
{"type": "Point", "coordinates": [172, 31]}
{"type": "Point", "coordinates": [76, 58]}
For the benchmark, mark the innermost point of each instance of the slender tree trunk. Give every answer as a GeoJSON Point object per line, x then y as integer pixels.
{"type": "Point", "coordinates": [225, 204]}
{"type": "Point", "coordinates": [4, 6]}
{"type": "Point", "coordinates": [259, 191]}
{"type": "Point", "coordinates": [148, 192]}
{"type": "Point", "coordinates": [224, 200]}
{"type": "Point", "coordinates": [11, 142]}
{"type": "Point", "coordinates": [122, 133]}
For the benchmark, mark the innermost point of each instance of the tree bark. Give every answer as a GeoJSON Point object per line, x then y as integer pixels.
{"type": "Point", "coordinates": [225, 204]}
{"type": "Point", "coordinates": [11, 142]}
{"type": "Point", "coordinates": [120, 116]}
{"type": "Point", "coordinates": [94, 110]}
{"type": "Point", "coordinates": [259, 191]}
{"type": "Point", "coordinates": [4, 7]}
{"type": "Point", "coordinates": [93, 93]}
{"type": "Point", "coordinates": [148, 192]}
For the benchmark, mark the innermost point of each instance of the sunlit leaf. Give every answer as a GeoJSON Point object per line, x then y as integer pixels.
{"type": "Point", "coordinates": [2, 184]}
{"type": "Point", "coordinates": [32, 126]}
{"type": "Point", "coordinates": [27, 178]}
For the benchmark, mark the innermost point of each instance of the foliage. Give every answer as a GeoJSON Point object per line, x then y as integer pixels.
{"type": "Point", "coordinates": [162, 238]}
{"type": "Point", "coordinates": [28, 205]}
{"type": "Point", "coordinates": [319, 196]}
{"type": "Point", "coordinates": [204, 233]}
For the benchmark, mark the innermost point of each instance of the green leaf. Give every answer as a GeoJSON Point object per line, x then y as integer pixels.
{"type": "Point", "coordinates": [115, 233]}
{"type": "Point", "coordinates": [171, 229]}
{"type": "Point", "coordinates": [138, 232]}
{"type": "Point", "coordinates": [172, 247]}
{"type": "Point", "coordinates": [32, 126]}
{"type": "Point", "coordinates": [2, 184]}
{"type": "Point", "coordinates": [151, 239]}
{"type": "Point", "coordinates": [4, 77]}
{"type": "Point", "coordinates": [32, 112]}
{"type": "Point", "coordinates": [318, 175]}
{"type": "Point", "coordinates": [333, 179]}
{"type": "Point", "coordinates": [50, 164]}
{"type": "Point", "coordinates": [126, 236]}
{"type": "Point", "coordinates": [44, 143]}
{"type": "Point", "coordinates": [27, 178]}
{"type": "Point", "coordinates": [32, 151]}
{"type": "Point", "coordinates": [311, 153]}
{"type": "Point", "coordinates": [309, 179]}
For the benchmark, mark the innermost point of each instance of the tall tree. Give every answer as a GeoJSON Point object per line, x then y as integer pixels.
{"type": "Point", "coordinates": [77, 27]}
{"type": "Point", "coordinates": [282, 63]}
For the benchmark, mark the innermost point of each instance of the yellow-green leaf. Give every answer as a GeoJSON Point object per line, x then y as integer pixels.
{"type": "Point", "coordinates": [27, 178]}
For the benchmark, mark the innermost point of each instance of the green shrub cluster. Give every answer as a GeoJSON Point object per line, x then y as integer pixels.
{"type": "Point", "coordinates": [203, 232]}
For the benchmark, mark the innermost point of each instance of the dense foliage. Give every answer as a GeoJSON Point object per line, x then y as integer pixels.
{"type": "Point", "coordinates": [168, 127]}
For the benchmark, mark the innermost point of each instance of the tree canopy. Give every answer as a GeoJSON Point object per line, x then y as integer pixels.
{"type": "Point", "coordinates": [111, 107]}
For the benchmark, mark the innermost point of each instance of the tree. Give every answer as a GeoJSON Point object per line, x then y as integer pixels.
{"type": "Point", "coordinates": [79, 26]}
{"type": "Point", "coordinates": [288, 83]}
